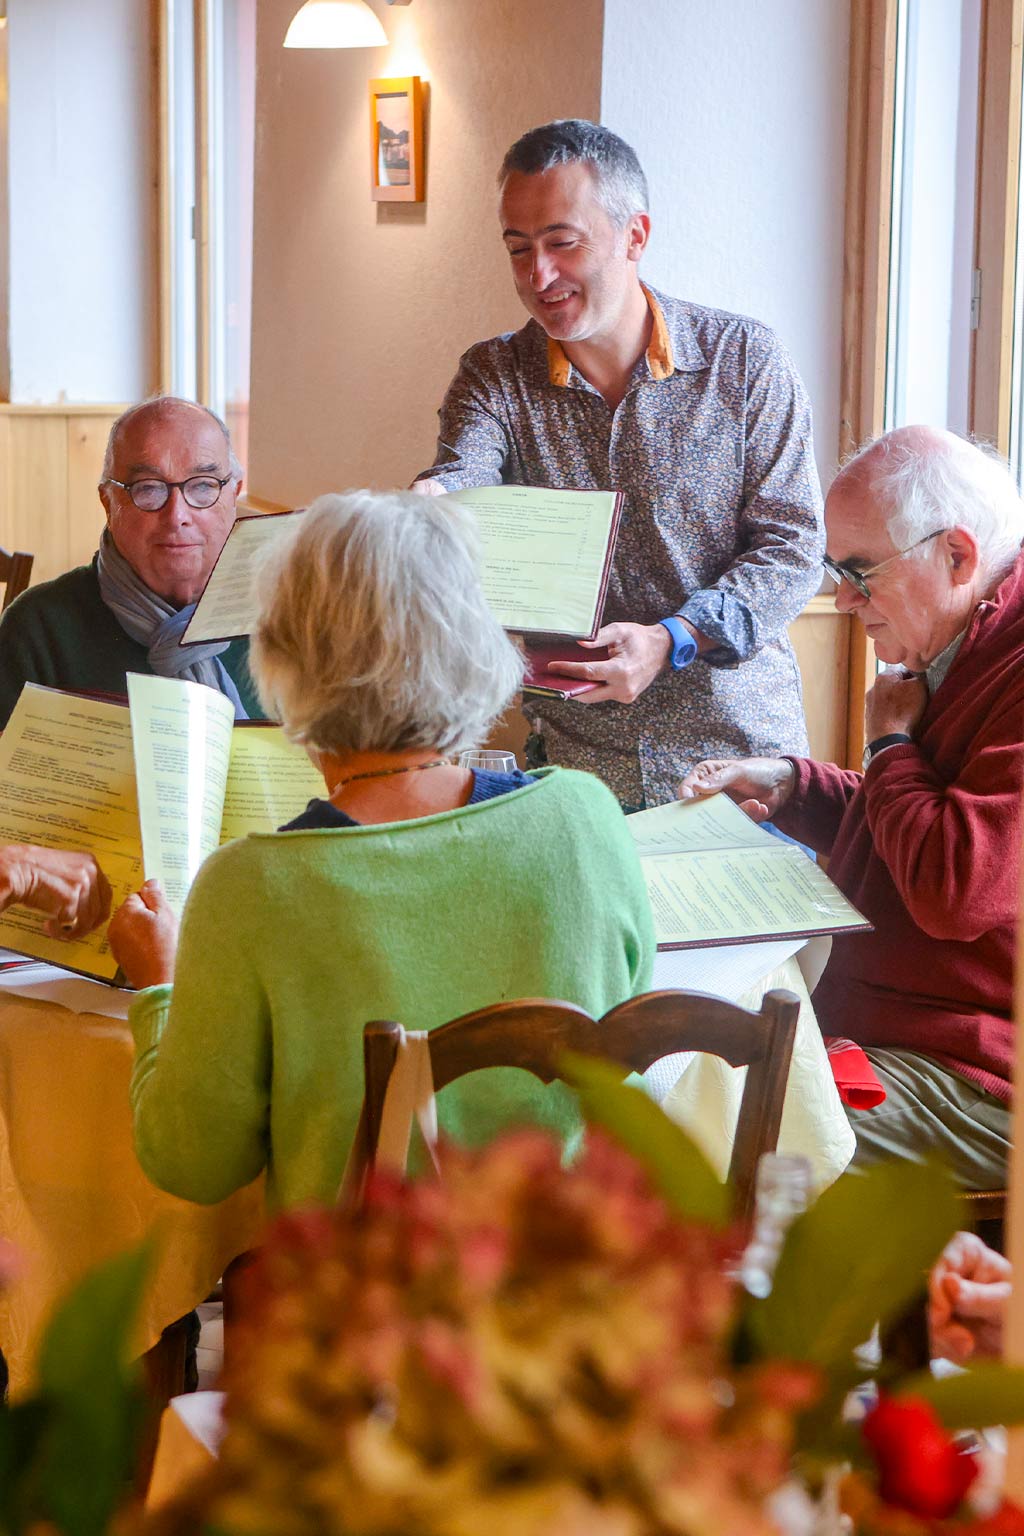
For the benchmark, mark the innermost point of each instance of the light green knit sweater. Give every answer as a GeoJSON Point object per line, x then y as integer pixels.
{"type": "Point", "coordinates": [291, 941]}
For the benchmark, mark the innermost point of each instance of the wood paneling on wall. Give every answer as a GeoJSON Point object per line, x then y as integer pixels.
{"type": "Point", "coordinates": [821, 638]}
{"type": "Point", "coordinates": [50, 462]}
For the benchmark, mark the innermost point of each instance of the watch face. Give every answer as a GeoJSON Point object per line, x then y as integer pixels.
{"type": "Point", "coordinates": [865, 760]}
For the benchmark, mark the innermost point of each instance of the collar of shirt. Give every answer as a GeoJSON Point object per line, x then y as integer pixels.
{"type": "Point", "coordinates": [935, 674]}
{"type": "Point", "coordinates": [672, 349]}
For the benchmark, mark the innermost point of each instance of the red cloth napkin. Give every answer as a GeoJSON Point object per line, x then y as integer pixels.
{"type": "Point", "coordinates": [855, 1077]}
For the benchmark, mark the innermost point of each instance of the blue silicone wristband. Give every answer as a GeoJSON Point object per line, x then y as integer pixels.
{"type": "Point", "coordinates": [684, 646]}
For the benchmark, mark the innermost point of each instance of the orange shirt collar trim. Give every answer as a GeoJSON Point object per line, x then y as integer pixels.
{"type": "Point", "coordinates": [660, 359]}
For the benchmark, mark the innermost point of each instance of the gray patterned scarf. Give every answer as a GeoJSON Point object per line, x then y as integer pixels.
{"type": "Point", "coordinates": [155, 624]}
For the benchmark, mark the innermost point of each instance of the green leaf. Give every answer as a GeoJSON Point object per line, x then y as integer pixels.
{"type": "Point", "coordinates": [677, 1166]}
{"type": "Point", "coordinates": [856, 1257]}
{"type": "Point", "coordinates": [828, 1445]}
{"type": "Point", "coordinates": [97, 1409]}
{"type": "Point", "coordinates": [90, 1333]}
{"type": "Point", "coordinates": [985, 1394]}
{"type": "Point", "coordinates": [22, 1431]}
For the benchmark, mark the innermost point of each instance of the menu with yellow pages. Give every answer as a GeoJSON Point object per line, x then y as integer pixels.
{"type": "Point", "coordinates": [545, 561]}
{"type": "Point", "coordinates": [150, 788]}
{"type": "Point", "coordinates": [715, 877]}
{"type": "Point", "coordinates": [545, 555]}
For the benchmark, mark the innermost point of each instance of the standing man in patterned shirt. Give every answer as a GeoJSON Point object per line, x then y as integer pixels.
{"type": "Point", "coordinates": [700, 419]}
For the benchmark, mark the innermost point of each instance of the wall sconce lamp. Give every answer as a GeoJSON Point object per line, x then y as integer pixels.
{"type": "Point", "coordinates": [337, 24]}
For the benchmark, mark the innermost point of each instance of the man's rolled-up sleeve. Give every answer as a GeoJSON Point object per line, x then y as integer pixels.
{"type": "Point", "coordinates": [473, 444]}
{"type": "Point", "coordinates": [781, 526]}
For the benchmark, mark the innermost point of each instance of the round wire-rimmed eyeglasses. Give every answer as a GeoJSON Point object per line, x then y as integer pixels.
{"type": "Point", "coordinates": [859, 579]}
{"type": "Point", "coordinates": [200, 491]}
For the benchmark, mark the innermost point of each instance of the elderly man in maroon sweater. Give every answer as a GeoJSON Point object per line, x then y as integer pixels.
{"type": "Point", "coordinates": [924, 535]}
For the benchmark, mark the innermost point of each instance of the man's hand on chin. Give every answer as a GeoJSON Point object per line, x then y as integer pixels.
{"type": "Point", "coordinates": [895, 704]}
{"type": "Point", "coordinates": [636, 654]}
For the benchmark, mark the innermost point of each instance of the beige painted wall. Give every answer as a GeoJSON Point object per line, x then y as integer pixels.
{"type": "Point", "coordinates": [361, 309]}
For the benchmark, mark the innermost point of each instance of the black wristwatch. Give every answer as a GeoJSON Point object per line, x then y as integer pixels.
{"type": "Point", "coordinates": [895, 739]}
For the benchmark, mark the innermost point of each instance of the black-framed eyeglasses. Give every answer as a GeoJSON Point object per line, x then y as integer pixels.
{"type": "Point", "coordinates": [859, 579]}
{"type": "Point", "coordinates": [200, 491]}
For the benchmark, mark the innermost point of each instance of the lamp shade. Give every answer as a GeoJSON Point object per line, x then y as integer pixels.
{"type": "Point", "coordinates": [335, 24]}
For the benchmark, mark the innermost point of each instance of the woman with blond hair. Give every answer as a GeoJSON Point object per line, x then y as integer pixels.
{"type": "Point", "coordinates": [416, 890]}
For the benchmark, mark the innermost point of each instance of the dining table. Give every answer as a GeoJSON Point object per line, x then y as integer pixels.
{"type": "Point", "coordinates": [72, 1193]}
{"type": "Point", "coordinates": [702, 1092]}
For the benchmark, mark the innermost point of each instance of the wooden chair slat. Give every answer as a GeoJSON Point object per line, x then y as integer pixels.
{"type": "Point", "coordinates": [15, 574]}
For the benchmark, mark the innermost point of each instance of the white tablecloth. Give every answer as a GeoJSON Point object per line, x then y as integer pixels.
{"type": "Point", "coordinates": [706, 1098]}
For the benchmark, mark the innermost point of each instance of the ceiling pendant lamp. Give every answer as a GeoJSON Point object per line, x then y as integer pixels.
{"type": "Point", "coordinates": [335, 24]}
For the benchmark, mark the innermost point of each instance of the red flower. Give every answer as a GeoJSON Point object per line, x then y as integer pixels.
{"type": "Point", "coordinates": [1008, 1520]}
{"type": "Point", "coordinates": [919, 1467]}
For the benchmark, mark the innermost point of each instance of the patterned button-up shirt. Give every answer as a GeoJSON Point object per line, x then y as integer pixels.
{"type": "Point", "coordinates": [721, 523]}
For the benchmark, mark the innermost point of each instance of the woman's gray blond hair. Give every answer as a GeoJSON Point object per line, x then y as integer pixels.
{"type": "Point", "coordinates": [373, 631]}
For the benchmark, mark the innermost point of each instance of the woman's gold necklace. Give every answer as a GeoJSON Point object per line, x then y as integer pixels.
{"type": "Point", "coordinates": [383, 773]}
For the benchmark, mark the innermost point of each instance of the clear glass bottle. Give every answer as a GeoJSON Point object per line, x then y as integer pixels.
{"type": "Point", "coordinates": [782, 1193]}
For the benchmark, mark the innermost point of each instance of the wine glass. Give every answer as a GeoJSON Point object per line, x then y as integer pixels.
{"type": "Point", "coordinates": [488, 761]}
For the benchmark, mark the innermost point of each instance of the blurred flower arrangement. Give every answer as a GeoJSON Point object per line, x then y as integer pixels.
{"type": "Point", "coordinates": [523, 1351]}
{"type": "Point", "coordinates": [530, 1350]}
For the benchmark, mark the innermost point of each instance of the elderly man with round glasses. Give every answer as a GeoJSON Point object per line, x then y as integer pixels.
{"type": "Point", "coordinates": [169, 486]}
{"type": "Point", "coordinates": [924, 533]}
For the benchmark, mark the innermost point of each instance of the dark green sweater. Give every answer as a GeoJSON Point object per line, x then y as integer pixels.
{"type": "Point", "coordinates": [62, 634]}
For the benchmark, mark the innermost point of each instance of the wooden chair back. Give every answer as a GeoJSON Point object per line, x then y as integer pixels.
{"type": "Point", "coordinates": [535, 1034]}
{"type": "Point", "coordinates": [985, 1204]}
{"type": "Point", "coordinates": [15, 574]}
{"type": "Point", "coordinates": [985, 1213]}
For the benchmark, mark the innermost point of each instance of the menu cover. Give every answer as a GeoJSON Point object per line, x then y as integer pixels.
{"type": "Point", "coordinates": [552, 685]}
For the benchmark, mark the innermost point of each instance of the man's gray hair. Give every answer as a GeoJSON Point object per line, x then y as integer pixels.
{"type": "Point", "coordinates": [157, 403]}
{"type": "Point", "coordinates": [927, 480]}
{"type": "Point", "coordinates": [373, 630]}
{"type": "Point", "coordinates": [619, 179]}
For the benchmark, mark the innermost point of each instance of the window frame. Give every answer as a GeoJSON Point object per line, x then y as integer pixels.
{"type": "Point", "coordinates": [996, 215]}
{"type": "Point", "coordinates": [870, 141]}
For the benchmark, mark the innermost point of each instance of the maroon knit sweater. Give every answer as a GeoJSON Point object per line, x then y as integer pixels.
{"type": "Point", "coordinates": [927, 844]}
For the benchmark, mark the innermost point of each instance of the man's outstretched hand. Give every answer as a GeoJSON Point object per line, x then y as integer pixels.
{"type": "Point", "coordinates": [759, 785]}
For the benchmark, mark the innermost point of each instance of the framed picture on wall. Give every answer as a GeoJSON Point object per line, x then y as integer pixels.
{"type": "Point", "coordinates": [396, 140]}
